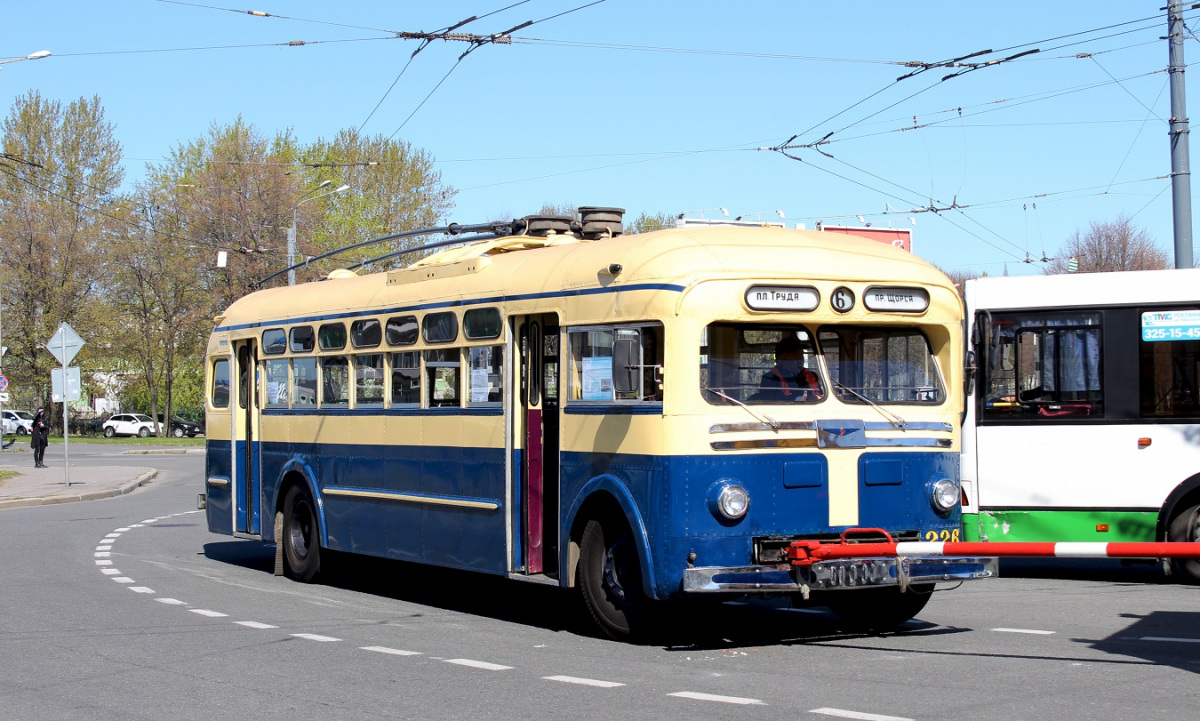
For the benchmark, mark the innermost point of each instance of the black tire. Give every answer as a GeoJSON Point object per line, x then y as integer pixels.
{"type": "Point", "coordinates": [178, 433]}
{"type": "Point", "coordinates": [609, 577]}
{"type": "Point", "coordinates": [143, 432]}
{"type": "Point", "coordinates": [301, 536]}
{"type": "Point", "coordinates": [1185, 528]}
{"type": "Point", "coordinates": [21, 431]}
{"type": "Point", "coordinates": [110, 432]}
{"type": "Point", "coordinates": [877, 609]}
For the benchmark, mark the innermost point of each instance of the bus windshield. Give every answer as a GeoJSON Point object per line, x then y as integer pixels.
{"type": "Point", "coordinates": [751, 363]}
{"type": "Point", "coordinates": [880, 365]}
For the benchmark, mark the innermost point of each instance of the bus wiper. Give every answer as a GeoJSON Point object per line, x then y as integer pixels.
{"type": "Point", "coordinates": [764, 418]}
{"type": "Point", "coordinates": [892, 418]}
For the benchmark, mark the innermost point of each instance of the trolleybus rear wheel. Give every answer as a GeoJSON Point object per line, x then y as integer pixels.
{"type": "Point", "coordinates": [301, 536]}
{"type": "Point", "coordinates": [878, 609]}
{"type": "Point", "coordinates": [1185, 528]}
{"type": "Point", "coordinates": [610, 579]}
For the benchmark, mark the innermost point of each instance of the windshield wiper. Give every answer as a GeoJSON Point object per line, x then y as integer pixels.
{"type": "Point", "coordinates": [763, 418]}
{"type": "Point", "coordinates": [892, 418]}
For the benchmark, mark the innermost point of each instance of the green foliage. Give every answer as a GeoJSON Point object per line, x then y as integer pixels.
{"type": "Point", "coordinates": [646, 223]}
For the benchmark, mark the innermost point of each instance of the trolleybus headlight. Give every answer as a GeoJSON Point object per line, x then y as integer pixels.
{"type": "Point", "coordinates": [944, 495]}
{"type": "Point", "coordinates": [729, 502]}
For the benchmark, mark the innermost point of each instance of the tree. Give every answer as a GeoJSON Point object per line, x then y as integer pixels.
{"type": "Point", "coordinates": [393, 188]}
{"type": "Point", "coordinates": [646, 223]}
{"type": "Point", "coordinates": [1110, 246]}
{"type": "Point", "coordinates": [60, 170]}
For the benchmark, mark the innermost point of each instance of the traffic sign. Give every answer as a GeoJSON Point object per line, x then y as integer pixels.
{"type": "Point", "coordinates": [64, 344]}
{"type": "Point", "coordinates": [3, 383]}
{"type": "Point", "coordinates": [73, 384]}
{"type": "Point", "coordinates": [3, 398]}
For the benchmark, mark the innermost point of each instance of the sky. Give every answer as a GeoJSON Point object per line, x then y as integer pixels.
{"type": "Point", "coordinates": [671, 106]}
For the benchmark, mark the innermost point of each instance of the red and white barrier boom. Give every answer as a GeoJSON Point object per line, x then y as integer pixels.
{"type": "Point", "coordinates": [805, 553]}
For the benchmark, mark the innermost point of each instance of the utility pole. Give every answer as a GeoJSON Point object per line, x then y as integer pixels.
{"type": "Point", "coordinates": [1181, 176]}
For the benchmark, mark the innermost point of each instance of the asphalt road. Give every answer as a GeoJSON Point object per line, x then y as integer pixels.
{"type": "Point", "coordinates": [127, 608]}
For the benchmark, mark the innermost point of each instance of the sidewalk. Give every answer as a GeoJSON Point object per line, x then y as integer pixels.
{"type": "Point", "coordinates": [39, 486]}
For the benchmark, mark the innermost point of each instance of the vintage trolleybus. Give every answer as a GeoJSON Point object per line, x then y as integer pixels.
{"type": "Point", "coordinates": [644, 417]}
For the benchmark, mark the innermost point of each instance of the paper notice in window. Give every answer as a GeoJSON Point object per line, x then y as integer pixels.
{"type": "Point", "coordinates": [479, 385]}
{"type": "Point", "coordinates": [597, 379]}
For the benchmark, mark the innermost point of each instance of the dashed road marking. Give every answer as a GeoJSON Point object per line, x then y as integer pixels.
{"type": "Point", "coordinates": [255, 624]}
{"type": "Point", "coordinates": [390, 651]}
{"type": "Point", "coordinates": [210, 614]}
{"type": "Point", "coordinates": [103, 562]}
{"type": "Point", "coordinates": [123, 579]}
{"type": "Point", "coordinates": [584, 681]}
{"type": "Point", "coordinates": [858, 715]}
{"type": "Point", "coordinates": [315, 637]}
{"type": "Point", "coordinates": [1168, 639]}
{"type": "Point", "coordinates": [102, 554]}
{"type": "Point", "coordinates": [484, 665]}
{"type": "Point", "coordinates": [695, 696]}
{"type": "Point", "coordinates": [104, 547]}
{"type": "Point", "coordinates": [171, 601]}
{"type": "Point", "coordinates": [110, 572]}
{"type": "Point", "coordinates": [1030, 631]}
{"type": "Point", "coordinates": [141, 589]}
{"type": "Point", "coordinates": [120, 530]}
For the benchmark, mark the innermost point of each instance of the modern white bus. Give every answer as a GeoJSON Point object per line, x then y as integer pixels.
{"type": "Point", "coordinates": [1083, 418]}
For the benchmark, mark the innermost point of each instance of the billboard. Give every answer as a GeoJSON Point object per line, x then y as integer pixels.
{"type": "Point", "coordinates": [898, 237]}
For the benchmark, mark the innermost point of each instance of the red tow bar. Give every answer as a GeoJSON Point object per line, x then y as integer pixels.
{"type": "Point", "coordinates": [805, 553]}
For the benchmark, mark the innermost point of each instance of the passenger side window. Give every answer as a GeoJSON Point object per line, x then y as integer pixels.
{"type": "Point", "coordinates": [220, 387]}
{"type": "Point", "coordinates": [368, 380]}
{"type": "Point", "coordinates": [406, 379]}
{"type": "Point", "coordinates": [335, 382]}
{"type": "Point", "coordinates": [442, 370]}
{"type": "Point", "coordinates": [1169, 363]}
{"type": "Point", "coordinates": [593, 361]}
{"type": "Point", "coordinates": [276, 372]}
{"type": "Point", "coordinates": [304, 373]}
{"type": "Point", "coordinates": [487, 373]}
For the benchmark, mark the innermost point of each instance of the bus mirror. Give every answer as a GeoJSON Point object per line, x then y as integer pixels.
{"type": "Point", "coordinates": [627, 358]}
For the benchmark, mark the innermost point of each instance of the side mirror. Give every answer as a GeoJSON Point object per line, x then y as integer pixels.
{"type": "Point", "coordinates": [969, 373]}
{"type": "Point", "coordinates": [626, 362]}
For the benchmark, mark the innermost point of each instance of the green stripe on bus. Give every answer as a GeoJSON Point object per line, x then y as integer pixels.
{"type": "Point", "coordinates": [1024, 526]}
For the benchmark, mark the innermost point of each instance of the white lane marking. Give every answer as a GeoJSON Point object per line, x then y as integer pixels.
{"type": "Point", "coordinates": [103, 563]}
{"type": "Point", "coordinates": [150, 520]}
{"type": "Point", "coordinates": [120, 530]}
{"type": "Point", "coordinates": [1168, 639]}
{"type": "Point", "coordinates": [104, 547]}
{"type": "Point", "coordinates": [859, 715]}
{"type": "Point", "coordinates": [102, 554]}
{"type": "Point", "coordinates": [254, 624]}
{"type": "Point", "coordinates": [390, 651]}
{"type": "Point", "coordinates": [210, 614]}
{"type": "Point", "coordinates": [171, 601]}
{"type": "Point", "coordinates": [719, 699]}
{"type": "Point", "coordinates": [113, 535]}
{"type": "Point", "coordinates": [110, 572]}
{"type": "Point", "coordinates": [136, 525]}
{"type": "Point", "coordinates": [1032, 631]}
{"type": "Point", "coordinates": [315, 637]}
{"type": "Point", "coordinates": [484, 665]}
{"type": "Point", "coordinates": [123, 579]}
{"type": "Point", "coordinates": [584, 681]}
{"type": "Point", "coordinates": [141, 589]}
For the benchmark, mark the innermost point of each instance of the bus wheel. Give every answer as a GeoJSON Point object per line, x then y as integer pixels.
{"type": "Point", "coordinates": [1185, 528]}
{"type": "Point", "coordinates": [301, 542]}
{"type": "Point", "coordinates": [878, 609]}
{"type": "Point", "coordinates": [610, 579]}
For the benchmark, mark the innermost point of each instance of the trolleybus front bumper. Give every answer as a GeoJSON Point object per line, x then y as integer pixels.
{"type": "Point", "coordinates": [835, 574]}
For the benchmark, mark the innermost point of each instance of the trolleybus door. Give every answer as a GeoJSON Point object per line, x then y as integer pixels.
{"type": "Point", "coordinates": [538, 431]}
{"type": "Point", "coordinates": [246, 489]}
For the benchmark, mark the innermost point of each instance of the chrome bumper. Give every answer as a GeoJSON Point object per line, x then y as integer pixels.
{"type": "Point", "coordinates": [839, 574]}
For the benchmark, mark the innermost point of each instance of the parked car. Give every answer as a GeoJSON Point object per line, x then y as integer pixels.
{"type": "Point", "coordinates": [129, 424]}
{"type": "Point", "coordinates": [18, 422]}
{"type": "Point", "coordinates": [181, 427]}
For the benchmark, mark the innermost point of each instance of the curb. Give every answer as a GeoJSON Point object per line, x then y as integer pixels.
{"type": "Point", "coordinates": [87, 496]}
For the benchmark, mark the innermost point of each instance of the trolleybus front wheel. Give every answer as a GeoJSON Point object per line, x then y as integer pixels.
{"type": "Point", "coordinates": [1185, 528]}
{"type": "Point", "coordinates": [878, 609]}
{"type": "Point", "coordinates": [610, 579]}
{"type": "Point", "coordinates": [301, 541]}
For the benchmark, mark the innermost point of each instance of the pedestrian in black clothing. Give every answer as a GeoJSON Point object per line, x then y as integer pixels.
{"type": "Point", "coordinates": [39, 434]}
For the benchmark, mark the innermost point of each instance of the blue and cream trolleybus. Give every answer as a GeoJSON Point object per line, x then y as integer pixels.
{"type": "Point", "coordinates": [644, 418]}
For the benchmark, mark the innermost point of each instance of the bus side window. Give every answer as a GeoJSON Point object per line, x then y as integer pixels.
{"type": "Point", "coordinates": [277, 383]}
{"type": "Point", "coordinates": [335, 382]}
{"type": "Point", "coordinates": [594, 353]}
{"type": "Point", "coordinates": [406, 379]}
{"type": "Point", "coordinates": [442, 371]}
{"type": "Point", "coordinates": [220, 386]}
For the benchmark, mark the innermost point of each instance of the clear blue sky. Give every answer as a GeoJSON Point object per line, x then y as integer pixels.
{"type": "Point", "coordinates": [661, 106]}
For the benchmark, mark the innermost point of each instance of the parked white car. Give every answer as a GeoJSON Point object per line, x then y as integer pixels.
{"type": "Point", "coordinates": [18, 422]}
{"type": "Point", "coordinates": [129, 424]}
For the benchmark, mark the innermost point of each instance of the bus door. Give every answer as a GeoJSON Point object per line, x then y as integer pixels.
{"type": "Point", "coordinates": [246, 487]}
{"type": "Point", "coordinates": [538, 425]}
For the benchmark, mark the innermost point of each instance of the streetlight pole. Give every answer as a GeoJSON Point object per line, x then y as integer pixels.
{"type": "Point", "coordinates": [291, 235]}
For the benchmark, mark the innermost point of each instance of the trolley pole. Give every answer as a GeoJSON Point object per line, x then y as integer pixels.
{"type": "Point", "coordinates": [1181, 179]}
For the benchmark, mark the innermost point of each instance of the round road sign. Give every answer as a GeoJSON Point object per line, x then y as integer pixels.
{"type": "Point", "coordinates": [3, 384]}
